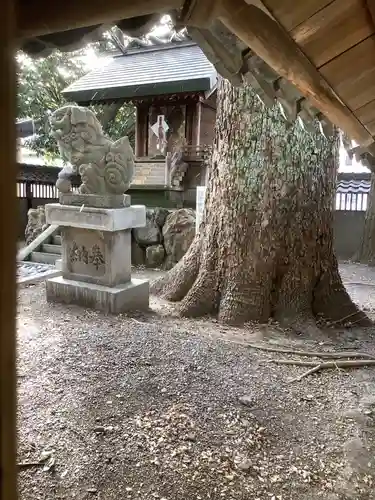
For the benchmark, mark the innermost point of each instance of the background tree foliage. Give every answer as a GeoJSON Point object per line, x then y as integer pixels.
{"type": "Point", "coordinates": [41, 82]}
{"type": "Point", "coordinates": [40, 86]}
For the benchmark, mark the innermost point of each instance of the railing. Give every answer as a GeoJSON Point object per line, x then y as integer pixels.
{"type": "Point", "coordinates": [353, 202]}
{"type": "Point", "coordinates": [36, 184]}
{"type": "Point", "coordinates": [30, 190]}
{"type": "Point", "coordinates": [195, 153]}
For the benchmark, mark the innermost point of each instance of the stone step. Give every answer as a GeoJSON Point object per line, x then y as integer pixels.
{"type": "Point", "coordinates": [56, 239]}
{"type": "Point", "coordinates": [44, 258]}
{"type": "Point", "coordinates": [51, 248]}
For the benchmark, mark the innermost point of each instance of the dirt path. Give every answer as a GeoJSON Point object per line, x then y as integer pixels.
{"type": "Point", "coordinates": [153, 406]}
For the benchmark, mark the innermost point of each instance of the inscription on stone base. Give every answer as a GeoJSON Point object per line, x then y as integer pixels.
{"type": "Point", "coordinates": [99, 257]}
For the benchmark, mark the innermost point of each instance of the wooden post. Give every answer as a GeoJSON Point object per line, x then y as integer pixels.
{"type": "Point", "coordinates": [9, 226]}
{"type": "Point", "coordinates": [29, 195]}
{"type": "Point", "coordinates": [141, 131]}
{"type": "Point", "coordinates": [198, 119]}
{"type": "Point", "coordinates": [191, 123]}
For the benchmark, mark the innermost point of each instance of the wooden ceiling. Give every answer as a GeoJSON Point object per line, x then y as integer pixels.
{"type": "Point", "coordinates": [338, 37]}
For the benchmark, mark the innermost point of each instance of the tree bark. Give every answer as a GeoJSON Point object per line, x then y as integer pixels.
{"type": "Point", "coordinates": [367, 248]}
{"type": "Point", "coordinates": [265, 245]}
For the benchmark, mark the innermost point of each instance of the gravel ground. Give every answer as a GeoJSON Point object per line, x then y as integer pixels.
{"type": "Point", "coordinates": [29, 269]}
{"type": "Point", "coordinates": [156, 407]}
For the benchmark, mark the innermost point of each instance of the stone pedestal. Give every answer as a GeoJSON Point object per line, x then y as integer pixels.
{"type": "Point", "coordinates": [96, 256]}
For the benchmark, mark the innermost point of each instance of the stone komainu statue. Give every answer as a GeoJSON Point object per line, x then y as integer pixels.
{"type": "Point", "coordinates": [106, 167]}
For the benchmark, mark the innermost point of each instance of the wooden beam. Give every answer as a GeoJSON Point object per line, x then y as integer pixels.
{"type": "Point", "coordinates": [370, 4]}
{"type": "Point", "coordinates": [9, 225]}
{"type": "Point", "coordinates": [141, 130]}
{"type": "Point", "coordinates": [274, 45]}
{"type": "Point", "coordinates": [42, 17]}
{"type": "Point", "coordinates": [191, 123]}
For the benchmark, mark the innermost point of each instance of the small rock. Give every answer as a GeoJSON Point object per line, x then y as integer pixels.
{"type": "Point", "coordinates": [138, 254]}
{"type": "Point", "coordinates": [245, 465]}
{"type": "Point", "coordinates": [160, 214]}
{"type": "Point", "coordinates": [190, 437]}
{"type": "Point", "coordinates": [155, 255]}
{"type": "Point", "coordinates": [92, 490]}
{"type": "Point", "coordinates": [99, 428]}
{"type": "Point", "coordinates": [368, 400]}
{"type": "Point", "coordinates": [246, 400]}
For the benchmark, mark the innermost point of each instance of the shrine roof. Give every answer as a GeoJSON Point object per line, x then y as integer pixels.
{"type": "Point", "coordinates": [157, 70]}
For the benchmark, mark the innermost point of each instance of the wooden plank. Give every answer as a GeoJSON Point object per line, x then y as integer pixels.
{"type": "Point", "coordinates": [41, 17]}
{"type": "Point", "coordinates": [371, 8]}
{"type": "Point", "coordinates": [352, 74]}
{"type": "Point", "coordinates": [270, 42]}
{"type": "Point", "coordinates": [366, 114]}
{"type": "Point", "coordinates": [371, 127]}
{"type": "Point", "coordinates": [8, 233]}
{"type": "Point", "coordinates": [333, 30]}
{"type": "Point", "coordinates": [291, 13]}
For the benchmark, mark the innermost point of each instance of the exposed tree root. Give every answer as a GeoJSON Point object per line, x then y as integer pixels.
{"type": "Point", "coordinates": [305, 374]}
{"type": "Point", "coordinates": [312, 354]}
{"type": "Point", "coordinates": [332, 301]}
{"type": "Point", "coordinates": [178, 281]}
{"type": "Point", "coordinates": [327, 364]}
{"type": "Point", "coordinates": [358, 363]}
{"type": "Point", "coordinates": [202, 297]}
{"type": "Point", "coordinates": [26, 465]}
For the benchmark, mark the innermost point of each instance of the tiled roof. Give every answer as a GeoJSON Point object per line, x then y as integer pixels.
{"type": "Point", "coordinates": [169, 69]}
{"type": "Point", "coordinates": [353, 186]}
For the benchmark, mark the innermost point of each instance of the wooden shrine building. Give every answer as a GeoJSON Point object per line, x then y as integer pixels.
{"type": "Point", "coordinates": [174, 81]}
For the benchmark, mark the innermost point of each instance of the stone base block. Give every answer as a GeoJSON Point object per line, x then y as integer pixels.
{"type": "Point", "coordinates": [95, 200]}
{"type": "Point", "coordinates": [99, 219]}
{"type": "Point", "coordinates": [131, 296]}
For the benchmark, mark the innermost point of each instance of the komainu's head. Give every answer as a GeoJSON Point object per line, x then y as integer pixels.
{"type": "Point", "coordinates": [76, 129]}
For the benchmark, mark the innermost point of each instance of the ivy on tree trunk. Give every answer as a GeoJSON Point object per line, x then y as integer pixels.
{"type": "Point", "coordinates": [265, 246]}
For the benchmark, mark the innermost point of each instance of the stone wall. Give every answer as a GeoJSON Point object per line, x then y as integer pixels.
{"type": "Point", "coordinates": [36, 223]}
{"type": "Point", "coordinates": [348, 229]}
{"type": "Point", "coordinates": [165, 238]}
{"type": "Point", "coordinates": [169, 233]}
{"type": "Point", "coordinates": [160, 244]}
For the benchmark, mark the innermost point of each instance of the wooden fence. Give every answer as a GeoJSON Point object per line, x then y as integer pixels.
{"type": "Point", "coordinates": [352, 192]}
{"type": "Point", "coordinates": [36, 186]}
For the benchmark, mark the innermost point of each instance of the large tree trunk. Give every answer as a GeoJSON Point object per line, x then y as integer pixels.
{"type": "Point", "coordinates": [367, 248]}
{"type": "Point", "coordinates": [265, 246]}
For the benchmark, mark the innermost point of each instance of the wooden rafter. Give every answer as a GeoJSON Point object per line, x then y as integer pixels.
{"type": "Point", "coordinates": [274, 45]}
{"type": "Point", "coordinates": [42, 17]}
{"type": "Point", "coordinates": [370, 4]}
